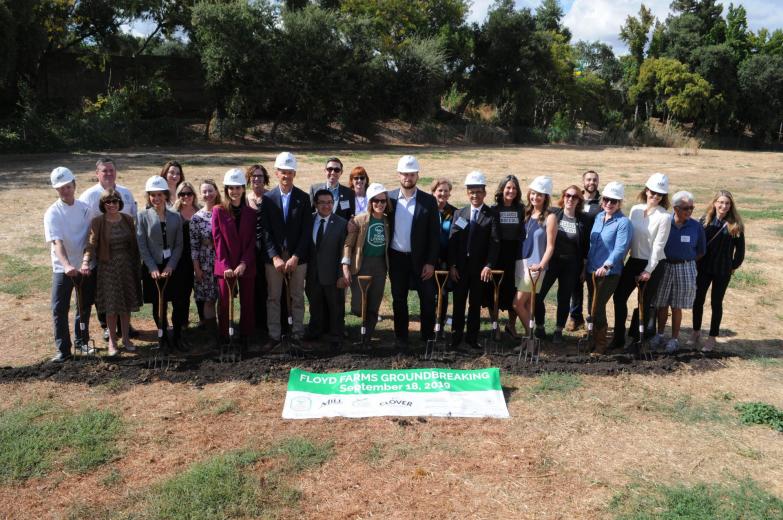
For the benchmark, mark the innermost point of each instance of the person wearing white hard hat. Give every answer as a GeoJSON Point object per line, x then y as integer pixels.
{"type": "Point", "coordinates": [610, 239]}
{"type": "Point", "coordinates": [159, 233]}
{"type": "Point", "coordinates": [113, 244]}
{"type": "Point", "coordinates": [651, 224]}
{"type": "Point", "coordinates": [287, 222]}
{"type": "Point", "coordinates": [413, 251]}
{"type": "Point", "coordinates": [567, 265]}
{"type": "Point", "coordinates": [234, 235]}
{"type": "Point", "coordinates": [537, 247]}
{"type": "Point", "coordinates": [66, 224]}
{"type": "Point", "coordinates": [473, 251]}
{"type": "Point", "coordinates": [365, 253]}
{"type": "Point", "coordinates": [106, 172]}
{"type": "Point", "coordinates": [344, 197]}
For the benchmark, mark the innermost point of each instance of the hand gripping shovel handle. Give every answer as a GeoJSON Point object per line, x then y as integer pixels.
{"type": "Point", "coordinates": [364, 285]}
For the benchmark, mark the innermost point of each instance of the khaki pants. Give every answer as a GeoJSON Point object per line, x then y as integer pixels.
{"type": "Point", "coordinates": [274, 283]}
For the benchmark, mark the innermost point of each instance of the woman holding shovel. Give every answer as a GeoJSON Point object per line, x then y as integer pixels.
{"type": "Point", "coordinates": [113, 241]}
{"type": "Point", "coordinates": [365, 254]}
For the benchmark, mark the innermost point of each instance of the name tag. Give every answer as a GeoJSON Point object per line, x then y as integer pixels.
{"type": "Point", "coordinates": [461, 223]}
{"type": "Point", "coordinates": [685, 239]}
{"type": "Point", "coordinates": [166, 253]}
{"type": "Point", "coordinates": [345, 204]}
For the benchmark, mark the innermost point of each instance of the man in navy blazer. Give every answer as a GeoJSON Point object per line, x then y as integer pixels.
{"type": "Point", "coordinates": [344, 197]}
{"type": "Point", "coordinates": [413, 250]}
{"type": "Point", "coordinates": [474, 245]}
{"type": "Point", "coordinates": [287, 220]}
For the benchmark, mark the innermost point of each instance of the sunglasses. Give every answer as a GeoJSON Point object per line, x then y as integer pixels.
{"type": "Point", "coordinates": [360, 178]}
{"type": "Point", "coordinates": [685, 208]}
{"type": "Point", "coordinates": [571, 196]}
{"type": "Point", "coordinates": [184, 194]}
{"type": "Point", "coordinates": [655, 193]}
{"type": "Point", "coordinates": [111, 201]}
{"type": "Point", "coordinates": [611, 201]}
{"type": "Point", "coordinates": [331, 169]}
{"type": "Point", "coordinates": [379, 201]}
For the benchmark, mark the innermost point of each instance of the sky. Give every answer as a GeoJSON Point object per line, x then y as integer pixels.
{"type": "Point", "coordinates": [601, 19]}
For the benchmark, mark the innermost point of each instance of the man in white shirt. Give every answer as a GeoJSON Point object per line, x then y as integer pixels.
{"type": "Point", "coordinates": [66, 226]}
{"type": "Point", "coordinates": [106, 171]}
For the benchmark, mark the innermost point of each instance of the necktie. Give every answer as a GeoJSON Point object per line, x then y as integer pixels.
{"type": "Point", "coordinates": [320, 234]}
{"type": "Point", "coordinates": [472, 226]}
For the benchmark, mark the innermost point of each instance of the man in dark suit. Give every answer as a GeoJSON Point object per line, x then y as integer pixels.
{"type": "Point", "coordinates": [327, 301]}
{"type": "Point", "coordinates": [344, 198]}
{"type": "Point", "coordinates": [287, 221]}
{"type": "Point", "coordinates": [473, 250]}
{"type": "Point", "coordinates": [413, 250]}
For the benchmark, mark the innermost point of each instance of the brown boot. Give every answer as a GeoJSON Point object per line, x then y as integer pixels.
{"type": "Point", "coordinates": [599, 341]}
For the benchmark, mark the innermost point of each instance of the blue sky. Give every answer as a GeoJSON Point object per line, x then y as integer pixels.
{"type": "Point", "coordinates": [601, 19]}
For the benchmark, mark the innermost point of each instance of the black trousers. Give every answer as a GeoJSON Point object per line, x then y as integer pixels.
{"type": "Point", "coordinates": [566, 271]}
{"type": "Point", "coordinates": [633, 267]}
{"type": "Point", "coordinates": [403, 278]}
{"type": "Point", "coordinates": [719, 285]}
{"type": "Point", "coordinates": [327, 308]}
{"type": "Point", "coordinates": [469, 289]}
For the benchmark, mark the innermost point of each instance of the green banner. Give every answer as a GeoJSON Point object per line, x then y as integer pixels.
{"type": "Point", "coordinates": [420, 380]}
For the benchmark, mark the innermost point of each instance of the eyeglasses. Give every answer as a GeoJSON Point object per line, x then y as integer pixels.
{"type": "Point", "coordinates": [611, 201]}
{"type": "Point", "coordinates": [571, 196]}
{"type": "Point", "coordinates": [332, 169]}
{"type": "Point", "coordinates": [379, 201]}
{"type": "Point", "coordinates": [184, 194]}
{"type": "Point", "coordinates": [257, 178]}
{"type": "Point", "coordinates": [111, 201]}
{"type": "Point", "coordinates": [360, 178]}
{"type": "Point", "coordinates": [655, 193]}
{"type": "Point", "coordinates": [684, 208]}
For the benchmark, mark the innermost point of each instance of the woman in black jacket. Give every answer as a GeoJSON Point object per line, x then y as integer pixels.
{"type": "Point", "coordinates": [725, 252]}
{"type": "Point", "coordinates": [567, 263]}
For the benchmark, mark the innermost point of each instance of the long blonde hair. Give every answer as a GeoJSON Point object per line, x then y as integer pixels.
{"type": "Point", "coordinates": [178, 204]}
{"type": "Point", "coordinates": [529, 208]}
{"type": "Point", "coordinates": [735, 227]}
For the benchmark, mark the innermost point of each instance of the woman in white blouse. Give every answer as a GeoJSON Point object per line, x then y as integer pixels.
{"type": "Point", "coordinates": [651, 225]}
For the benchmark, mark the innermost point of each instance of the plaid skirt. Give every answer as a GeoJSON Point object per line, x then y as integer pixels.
{"type": "Point", "coordinates": [678, 286]}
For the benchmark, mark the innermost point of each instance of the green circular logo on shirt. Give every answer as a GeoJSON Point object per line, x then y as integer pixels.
{"type": "Point", "coordinates": [375, 235]}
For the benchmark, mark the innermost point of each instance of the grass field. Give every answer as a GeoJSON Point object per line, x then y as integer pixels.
{"type": "Point", "coordinates": [692, 444]}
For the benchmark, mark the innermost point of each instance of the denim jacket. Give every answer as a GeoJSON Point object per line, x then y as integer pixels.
{"type": "Point", "coordinates": [609, 242]}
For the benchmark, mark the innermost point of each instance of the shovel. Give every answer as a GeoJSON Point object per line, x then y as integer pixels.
{"type": "Point", "coordinates": [585, 344]}
{"type": "Point", "coordinates": [641, 346]}
{"type": "Point", "coordinates": [531, 345]}
{"type": "Point", "coordinates": [87, 347]}
{"type": "Point", "coordinates": [494, 345]}
{"type": "Point", "coordinates": [231, 352]}
{"type": "Point", "coordinates": [434, 345]}
{"type": "Point", "coordinates": [160, 356]}
{"type": "Point", "coordinates": [364, 281]}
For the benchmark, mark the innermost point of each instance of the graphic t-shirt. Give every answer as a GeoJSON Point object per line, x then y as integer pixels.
{"type": "Point", "coordinates": [375, 242]}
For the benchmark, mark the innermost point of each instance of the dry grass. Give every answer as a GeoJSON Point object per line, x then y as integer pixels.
{"type": "Point", "coordinates": [562, 455]}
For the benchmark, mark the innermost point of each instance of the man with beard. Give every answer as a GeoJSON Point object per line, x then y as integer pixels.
{"type": "Point", "coordinates": [413, 250]}
{"type": "Point", "coordinates": [592, 206]}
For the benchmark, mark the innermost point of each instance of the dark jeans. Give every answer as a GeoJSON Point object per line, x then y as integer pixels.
{"type": "Point", "coordinates": [606, 286]}
{"type": "Point", "coordinates": [633, 267]}
{"type": "Point", "coordinates": [469, 289]}
{"type": "Point", "coordinates": [719, 285]}
{"type": "Point", "coordinates": [578, 296]}
{"type": "Point", "coordinates": [62, 288]}
{"type": "Point", "coordinates": [403, 278]}
{"type": "Point", "coordinates": [564, 270]}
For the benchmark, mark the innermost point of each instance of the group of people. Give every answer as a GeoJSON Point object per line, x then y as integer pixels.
{"type": "Point", "coordinates": [275, 246]}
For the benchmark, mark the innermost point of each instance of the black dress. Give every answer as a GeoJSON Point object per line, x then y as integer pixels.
{"type": "Point", "coordinates": [511, 227]}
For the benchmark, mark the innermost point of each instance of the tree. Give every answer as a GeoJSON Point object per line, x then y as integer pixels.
{"type": "Point", "coordinates": [737, 36]}
{"type": "Point", "coordinates": [419, 78]}
{"type": "Point", "coordinates": [598, 57]}
{"type": "Point", "coordinates": [167, 15]}
{"type": "Point", "coordinates": [549, 15]}
{"type": "Point", "coordinates": [634, 32]}
{"type": "Point", "coordinates": [718, 65]}
{"type": "Point", "coordinates": [760, 80]}
{"type": "Point", "coordinates": [672, 89]}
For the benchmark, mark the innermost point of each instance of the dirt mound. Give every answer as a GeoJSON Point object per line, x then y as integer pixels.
{"type": "Point", "coordinates": [200, 371]}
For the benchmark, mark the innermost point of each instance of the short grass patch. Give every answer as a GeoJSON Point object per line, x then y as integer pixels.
{"type": "Point", "coordinates": [34, 438]}
{"type": "Point", "coordinates": [742, 500]}
{"type": "Point", "coordinates": [554, 383]}
{"type": "Point", "coordinates": [767, 362]}
{"type": "Point", "coordinates": [685, 410]}
{"type": "Point", "coordinates": [762, 214]}
{"type": "Point", "coordinates": [302, 453]}
{"type": "Point", "coordinates": [746, 279]}
{"type": "Point", "coordinates": [761, 413]}
{"type": "Point", "coordinates": [21, 278]}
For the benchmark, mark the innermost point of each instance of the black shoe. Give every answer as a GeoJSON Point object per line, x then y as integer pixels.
{"type": "Point", "coordinates": [540, 332]}
{"type": "Point", "coordinates": [60, 358]}
{"type": "Point", "coordinates": [335, 347]}
{"type": "Point", "coordinates": [456, 340]}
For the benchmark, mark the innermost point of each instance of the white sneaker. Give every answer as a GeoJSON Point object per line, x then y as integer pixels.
{"type": "Point", "coordinates": [657, 341]}
{"type": "Point", "coordinates": [672, 346]}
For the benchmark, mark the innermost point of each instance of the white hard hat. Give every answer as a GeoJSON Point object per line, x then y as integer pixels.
{"type": "Point", "coordinates": [234, 177]}
{"type": "Point", "coordinates": [614, 190]}
{"type": "Point", "coordinates": [285, 161]}
{"type": "Point", "coordinates": [61, 176]}
{"type": "Point", "coordinates": [475, 178]}
{"type": "Point", "coordinates": [658, 183]}
{"type": "Point", "coordinates": [408, 164]}
{"type": "Point", "coordinates": [376, 188]}
{"type": "Point", "coordinates": [156, 183]}
{"type": "Point", "coordinates": [542, 184]}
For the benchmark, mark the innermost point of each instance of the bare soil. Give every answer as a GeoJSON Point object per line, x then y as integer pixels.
{"type": "Point", "coordinates": [561, 455]}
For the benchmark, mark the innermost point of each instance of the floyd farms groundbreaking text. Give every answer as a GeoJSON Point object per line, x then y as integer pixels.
{"type": "Point", "coordinates": [371, 393]}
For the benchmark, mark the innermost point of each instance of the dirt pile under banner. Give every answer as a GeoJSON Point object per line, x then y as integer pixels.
{"type": "Point", "coordinates": [438, 392]}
